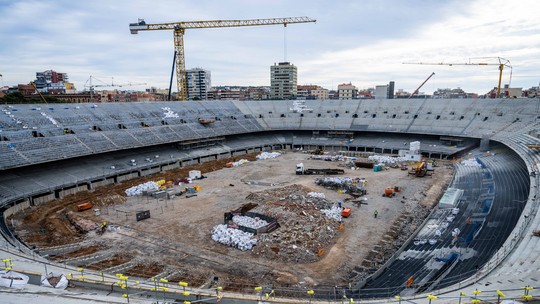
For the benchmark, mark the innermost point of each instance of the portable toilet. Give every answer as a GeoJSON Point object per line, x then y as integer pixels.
{"type": "Point", "coordinates": [194, 174]}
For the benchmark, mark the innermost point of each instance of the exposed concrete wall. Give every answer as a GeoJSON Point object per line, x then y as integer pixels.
{"type": "Point", "coordinates": [222, 156]}
{"type": "Point", "coordinates": [18, 207]}
{"type": "Point", "coordinates": [241, 152]}
{"type": "Point", "coordinates": [190, 162]}
{"type": "Point", "coordinates": [170, 167]}
{"type": "Point", "coordinates": [41, 199]}
{"type": "Point", "coordinates": [74, 190]}
{"type": "Point", "coordinates": [145, 172]}
{"type": "Point", "coordinates": [128, 176]}
{"type": "Point", "coordinates": [207, 158]}
{"type": "Point", "coordinates": [100, 183]}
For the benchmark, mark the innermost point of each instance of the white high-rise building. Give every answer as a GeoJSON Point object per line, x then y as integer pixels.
{"type": "Point", "coordinates": [198, 82]}
{"type": "Point", "coordinates": [283, 81]}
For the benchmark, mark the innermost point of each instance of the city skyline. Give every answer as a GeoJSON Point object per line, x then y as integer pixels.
{"type": "Point", "coordinates": [361, 43]}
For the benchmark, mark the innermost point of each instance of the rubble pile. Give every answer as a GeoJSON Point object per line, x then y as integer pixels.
{"type": "Point", "coordinates": [328, 157]}
{"type": "Point", "coordinates": [138, 190]}
{"type": "Point", "coordinates": [304, 233]}
{"type": "Point", "coordinates": [471, 163]}
{"type": "Point", "coordinates": [386, 159]}
{"type": "Point", "coordinates": [109, 200]}
{"type": "Point", "coordinates": [81, 224]}
{"type": "Point", "coordinates": [316, 194]}
{"type": "Point", "coordinates": [251, 222]}
{"type": "Point", "coordinates": [267, 155]}
{"type": "Point", "coordinates": [334, 213]}
{"type": "Point", "coordinates": [233, 237]}
{"type": "Point", "coordinates": [240, 162]}
{"type": "Point", "coordinates": [342, 183]}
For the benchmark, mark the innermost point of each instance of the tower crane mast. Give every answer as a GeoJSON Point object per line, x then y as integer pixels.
{"type": "Point", "coordinates": [501, 64]}
{"type": "Point", "coordinates": [179, 29]}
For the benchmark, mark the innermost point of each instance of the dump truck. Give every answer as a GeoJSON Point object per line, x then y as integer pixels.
{"type": "Point", "coordinates": [301, 170]}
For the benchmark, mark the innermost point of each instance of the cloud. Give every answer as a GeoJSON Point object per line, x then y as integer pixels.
{"type": "Point", "coordinates": [363, 42]}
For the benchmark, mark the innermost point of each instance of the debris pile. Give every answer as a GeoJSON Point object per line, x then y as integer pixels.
{"type": "Point", "coordinates": [334, 213]}
{"type": "Point", "coordinates": [386, 159]}
{"type": "Point", "coordinates": [471, 163]}
{"type": "Point", "coordinates": [251, 222]}
{"type": "Point", "coordinates": [304, 233]}
{"type": "Point", "coordinates": [240, 162]}
{"type": "Point", "coordinates": [138, 190]}
{"type": "Point", "coordinates": [329, 157]}
{"type": "Point", "coordinates": [267, 155]}
{"type": "Point", "coordinates": [233, 237]}
{"type": "Point", "coordinates": [347, 184]}
{"type": "Point", "coordinates": [316, 194]}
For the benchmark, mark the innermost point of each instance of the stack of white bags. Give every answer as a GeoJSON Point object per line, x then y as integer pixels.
{"type": "Point", "coordinates": [138, 190]}
{"type": "Point", "coordinates": [251, 222]}
{"type": "Point", "coordinates": [470, 163]}
{"type": "Point", "coordinates": [267, 155]}
{"type": "Point", "coordinates": [334, 212]}
{"type": "Point", "coordinates": [386, 159]}
{"type": "Point", "coordinates": [233, 237]}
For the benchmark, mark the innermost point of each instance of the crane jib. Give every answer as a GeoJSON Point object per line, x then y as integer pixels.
{"type": "Point", "coordinates": [178, 30]}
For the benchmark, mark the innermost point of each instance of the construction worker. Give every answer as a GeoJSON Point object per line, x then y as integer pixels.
{"type": "Point", "coordinates": [375, 214]}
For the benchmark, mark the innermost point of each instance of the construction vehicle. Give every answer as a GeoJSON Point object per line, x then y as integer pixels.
{"type": "Point", "coordinates": [301, 170]}
{"type": "Point", "coordinates": [419, 169]}
{"type": "Point", "coordinates": [318, 152]}
{"type": "Point", "coordinates": [179, 29]}
{"type": "Point", "coordinates": [388, 192]}
{"type": "Point", "coordinates": [40, 95]}
{"type": "Point", "coordinates": [419, 87]}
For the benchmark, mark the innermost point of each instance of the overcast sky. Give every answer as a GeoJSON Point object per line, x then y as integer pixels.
{"type": "Point", "coordinates": [362, 42]}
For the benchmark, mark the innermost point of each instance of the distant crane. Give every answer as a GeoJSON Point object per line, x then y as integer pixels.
{"type": "Point", "coordinates": [88, 84]}
{"type": "Point", "coordinates": [417, 89]}
{"type": "Point", "coordinates": [501, 64]}
{"type": "Point", "coordinates": [180, 27]}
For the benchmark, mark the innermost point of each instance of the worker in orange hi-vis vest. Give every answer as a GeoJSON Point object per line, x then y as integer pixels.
{"type": "Point", "coordinates": [409, 282]}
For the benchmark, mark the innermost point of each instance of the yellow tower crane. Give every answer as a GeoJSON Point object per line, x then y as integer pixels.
{"type": "Point", "coordinates": [501, 64]}
{"type": "Point", "coordinates": [180, 27]}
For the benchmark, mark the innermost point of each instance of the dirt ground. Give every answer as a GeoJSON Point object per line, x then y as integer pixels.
{"type": "Point", "coordinates": [176, 241]}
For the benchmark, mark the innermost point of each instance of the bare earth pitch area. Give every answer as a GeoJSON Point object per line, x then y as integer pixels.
{"type": "Point", "coordinates": [308, 249]}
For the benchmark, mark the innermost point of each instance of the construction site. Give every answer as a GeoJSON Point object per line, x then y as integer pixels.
{"type": "Point", "coordinates": [323, 232]}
